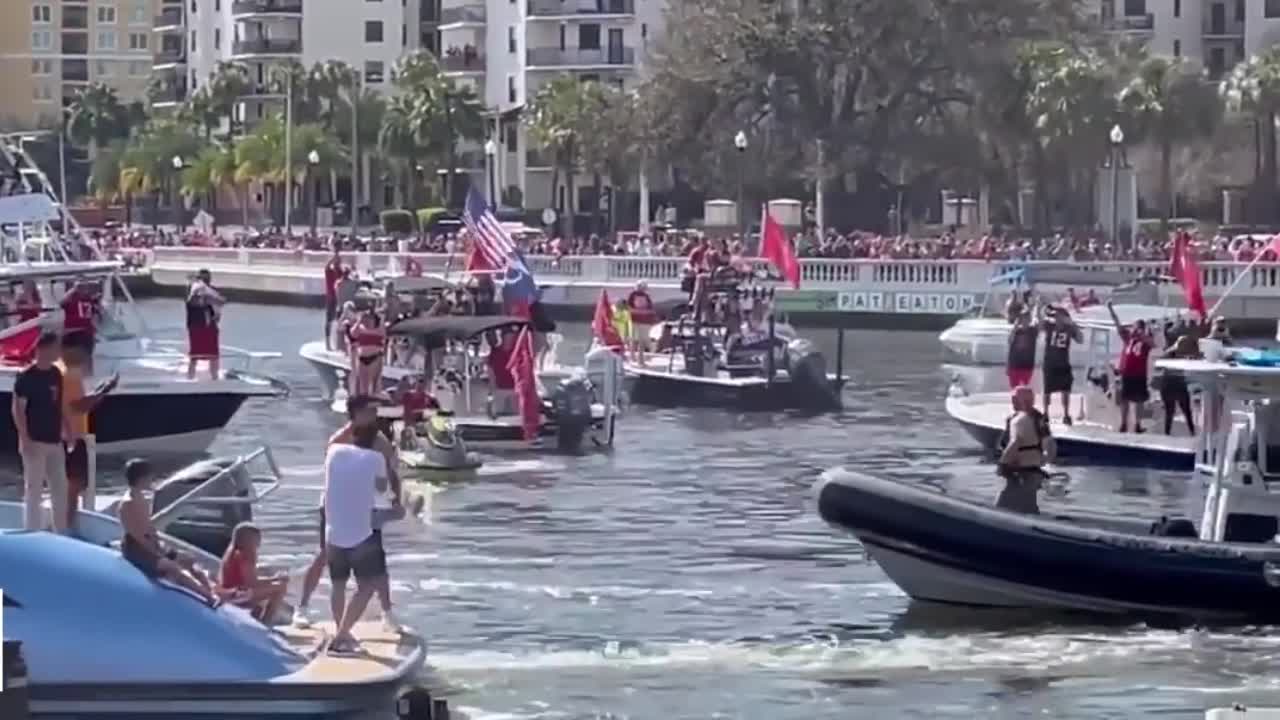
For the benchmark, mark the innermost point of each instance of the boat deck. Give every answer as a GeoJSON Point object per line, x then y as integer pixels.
{"type": "Point", "coordinates": [383, 654]}
{"type": "Point", "coordinates": [984, 414]}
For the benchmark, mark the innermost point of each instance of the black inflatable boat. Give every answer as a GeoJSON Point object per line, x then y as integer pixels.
{"type": "Point", "coordinates": [945, 549]}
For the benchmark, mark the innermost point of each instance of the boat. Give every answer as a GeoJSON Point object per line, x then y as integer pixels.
{"type": "Point", "coordinates": [1242, 712]}
{"type": "Point", "coordinates": [333, 366]}
{"type": "Point", "coordinates": [1091, 439]}
{"type": "Point", "coordinates": [581, 413]}
{"type": "Point", "coordinates": [171, 655]}
{"type": "Point", "coordinates": [771, 371]}
{"type": "Point", "coordinates": [984, 339]}
{"type": "Point", "coordinates": [942, 548]}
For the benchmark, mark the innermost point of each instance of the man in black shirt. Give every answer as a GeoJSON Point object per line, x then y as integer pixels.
{"type": "Point", "coordinates": [37, 416]}
{"type": "Point", "coordinates": [1059, 333]}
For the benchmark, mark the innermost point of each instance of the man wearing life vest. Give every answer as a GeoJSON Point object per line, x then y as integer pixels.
{"type": "Point", "coordinates": [643, 317]}
{"type": "Point", "coordinates": [1026, 446]}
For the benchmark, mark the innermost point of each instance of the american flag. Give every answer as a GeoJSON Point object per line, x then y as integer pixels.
{"type": "Point", "coordinates": [490, 242]}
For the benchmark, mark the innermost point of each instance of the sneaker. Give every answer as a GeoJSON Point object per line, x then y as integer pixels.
{"type": "Point", "coordinates": [302, 616]}
{"type": "Point", "coordinates": [390, 623]}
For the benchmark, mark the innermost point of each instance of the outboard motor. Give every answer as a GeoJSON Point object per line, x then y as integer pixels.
{"type": "Point", "coordinates": [571, 405]}
{"type": "Point", "coordinates": [208, 527]}
{"type": "Point", "coordinates": [808, 369]}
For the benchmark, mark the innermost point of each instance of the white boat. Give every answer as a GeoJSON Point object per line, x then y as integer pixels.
{"type": "Point", "coordinates": [1242, 712]}
{"type": "Point", "coordinates": [156, 409]}
{"type": "Point", "coordinates": [984, 340]}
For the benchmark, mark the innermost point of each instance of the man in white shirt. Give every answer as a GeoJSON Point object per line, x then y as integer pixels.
{"type": "Point", "coordinates": [352, 545]}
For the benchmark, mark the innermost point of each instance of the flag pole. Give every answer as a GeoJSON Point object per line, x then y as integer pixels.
{"type": "Point", "coordinates": [1214, 310]}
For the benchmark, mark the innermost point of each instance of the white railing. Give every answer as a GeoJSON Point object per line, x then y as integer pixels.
{"type": "Point", "coordinates": [816, 273]}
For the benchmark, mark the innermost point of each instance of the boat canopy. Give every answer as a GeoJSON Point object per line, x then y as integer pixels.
{"type": "Point", "coordinates": [420, 284]}
{"type": "Point", "coordinates": [57, 270]}
{"type": "Point", "coordinates": [436, 330]}
{"type": "Point", "coordinates": [1066, 274]}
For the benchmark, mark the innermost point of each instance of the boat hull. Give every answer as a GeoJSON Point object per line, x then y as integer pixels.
{"type": "Point", "coordinates": [943, 549]}
{"type": "Point", "coordinates": [1084, 445]}
{"type": "Point", "coordinates": [678, 390]}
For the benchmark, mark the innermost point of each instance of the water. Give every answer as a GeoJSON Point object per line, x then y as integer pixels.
{"type": "Point", "coordinates": [686, 574]}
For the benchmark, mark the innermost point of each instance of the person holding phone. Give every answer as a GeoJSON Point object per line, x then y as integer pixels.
{"type": "Point", "coordinates": [76, 407]}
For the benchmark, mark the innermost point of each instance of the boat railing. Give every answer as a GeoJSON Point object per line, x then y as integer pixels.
{"type": "Point", "coordinates": [260, 486]}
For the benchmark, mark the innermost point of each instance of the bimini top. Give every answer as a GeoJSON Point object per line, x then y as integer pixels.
{"type": "Point", "coordinates": [15, 272]}
{"type": "Point", "coordinates": [1065, 274]}
{"type": "Point", "coordinates": [1260, 380]}
{"type": "Point", "coordinates": [420, 283]}
{"type": "Point", "coordinates": [60, 592]}
{"type": "Point", "coordinates": [436, 330]}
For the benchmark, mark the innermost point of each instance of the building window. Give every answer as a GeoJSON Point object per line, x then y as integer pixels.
{"type": "Point", "coordinates": [102, 68]}
{"type": "Point", "coordinates": [42, 40]}
{"type": "Point", "coordinates": [373, 70]}
{"type": "Point", "coordinates": [373, 31]}
{"type": "Point", "coordinates": [589, 36]}
{"type": "Point", "coordinates": [139, 15]}
{"type": "Point", "coordinates": [217, 38]}
{"type": "Point", "coordinates": [404, 36]}
{"type": "Point", "coordinates": [193, 7]}
{"type": "Point", "coordinates": [512, 131]}
{"type": "Point", "coordinates": [511, 88]}
{"type": "Point", "coordinates": [1177, 48]}
{"type": "Point", "coordinates": [41, 67]}
{"type": "Point", "coordinates": [107, 14]}
{"type": "Point", "coordinates": [1177, 8]}
{"type": "Point", "coordinates": [41, 93]}
{"type": "Point", "coordinates": [217, 5]}
{"type": "Point", "coordinates": [1135, 8]}
{"type": "Point", "coordinates": [106, 40]}
{"type": "Point", "coordinates": [138, 68]}
{"type": "Point", "coordinates": [138, 41]}
{"type": "Point", "coordinates": [511, 39]}
{"type": "Point", "coordinates": [41, 14]}
{"type": "Point", "coordinates": [1239, 11]}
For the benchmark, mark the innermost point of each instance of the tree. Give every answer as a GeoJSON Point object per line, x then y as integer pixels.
{"type": "Point", "coordinates": [305, 140]}
{"type": "Point", "coordinates": [446, 113]}
{"type": "Point", "coordinates": [201, 109]}
{"type": "Point", "coordinates": [146, 165]}
{"type": "Point", "coordinates": [403, 139]}
{"type": "Point", "coordinates": [97, 117]}
{"type": "Point", "coordinates": [1169, 103]}
{"type": "Point", "coordinates": [213, 169]}
{"type": "Point", "coordinates": [561, 114]}
{"type": "Point", "coordinates": [228, 84]}
{"type": "Point", "coordinates": [1253, 89]}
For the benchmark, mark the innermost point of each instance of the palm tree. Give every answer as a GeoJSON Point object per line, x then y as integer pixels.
{"type": "Point", "coordinates": [212, 170]}
{"type": "Point", "coordinates": [305, 140]}
{"type": "Point", "coordinates": [1253, 88]}
{"type": "Point", "coordinates": [97, 117]}
{"type": "Point", "coordinates": [146, 165]}
{"type": "Point", "coordinates": [446, 113]}
{"type": "Point", "coordinates": [229, 83]}
{"type": "Point", "coordinates": [104, 172]}
{"type": "Point", "coordinates": [559, 117]}
{"type": "Point", "coordinates": [1169, 103]}
{"type": "Point", "coordinates": [401, 140]}
{"type": "Point", "coordinates": [259, 157]}
{"type": "Point", "coordinates": [201, 109]}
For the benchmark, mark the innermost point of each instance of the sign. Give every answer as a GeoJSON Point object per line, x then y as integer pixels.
{"type": "Point", "coordinates": [861, 302]}
{"type": "Point", "coordinates": [808, 301]}
{"type": "Point", "coordinates": [932, 303]}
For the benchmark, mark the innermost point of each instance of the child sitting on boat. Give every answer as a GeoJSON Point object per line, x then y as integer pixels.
{"type": "Point", "coordinates": [239, 582]}
{"type": "Point", "coordinates": [141, 545]}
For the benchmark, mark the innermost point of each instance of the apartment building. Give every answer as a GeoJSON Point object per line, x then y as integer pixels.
{"type": "Point", "coordinates": [49, 49]}
{"type": "Point", "coordinates": [1216, 33]}
{"type": "Point", "coordinates": [508, 49]}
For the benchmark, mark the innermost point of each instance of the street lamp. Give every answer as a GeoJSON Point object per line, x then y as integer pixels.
{"type": "Point", "coordinates": [491, 154]}
{"type": "Point", "coordinates": [740, 142]}
{"type": "Point", "coordinates": [313, 159]}
{"type": "Point", "coordinates": [1117, 141]}
{"type": "Point", "coordinates": [178, 165]}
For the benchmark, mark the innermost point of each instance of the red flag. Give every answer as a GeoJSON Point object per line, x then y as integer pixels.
{"type": "Point", "coordinates": [602, 324]}
{"type": "Point", "coordinates": [1184, 268]}
{"type": "Point", "coordinates": [20, 348]}
{"type": "Point", "coordinates": [477, 261]}
{"type": "Point", "coordinates": [776, 248]}
{"type": "Point", "coordinates": [521, 364]}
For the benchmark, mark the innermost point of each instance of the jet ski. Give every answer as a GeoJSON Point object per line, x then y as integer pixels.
{"type": "Point", "coordinates": [435, 451]}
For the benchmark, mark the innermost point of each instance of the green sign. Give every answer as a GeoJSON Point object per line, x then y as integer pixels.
{"type": "Point", "coordinates": [808, 301]}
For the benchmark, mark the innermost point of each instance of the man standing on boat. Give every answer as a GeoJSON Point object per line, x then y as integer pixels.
{"type": "Point", "coordinates": [1021, 362]}
{"type": "Point", "coordinates": [80, 310]}
{"type": "Point", "coordinates": [1134, 370]}
{"type": "Point", "coordinates": [332, 274]}
{"type": "Point", "coordinates": [643, 317]}
{"type": "Point", "coordinates": [1059, 333]}
{"type": "Point", "coordinates": [1025, 448]}
{"type": "Point", "coordinates": [203, 313]}
{"type": "Point", "coordinates": [40, 426]}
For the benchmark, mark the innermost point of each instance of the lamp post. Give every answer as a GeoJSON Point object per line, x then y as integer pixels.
{"type": "Point", "coordinates": [740, 143]}
{"type": "Point", "coordinates": [491, 157]}
{"type": "Point", "coordinates": [178, 165]}
{"type": "Point", "coordinates": [313, 159]}
{"type": "Point", "coordinates": [1117, 141]}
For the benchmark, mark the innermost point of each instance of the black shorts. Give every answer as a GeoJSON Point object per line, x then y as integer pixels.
{"type": "Point", "coordinates": [367, 561]}
{"type": "Point", "coordinates": [1057, 380]}
{"type": "Point", "coordinates": [323, 543]}
{"type": "Point", "coordinates": [330, 309]}
{"type": "Point", "coordinates": [78, 463]}
{"type": "Point", "coordinates": [1133, 388]}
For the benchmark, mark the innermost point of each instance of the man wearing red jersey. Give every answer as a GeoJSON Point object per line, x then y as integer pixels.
{"type": "Point", "coordinates": [80, 310]}
{"type": "Point", "coordinates": [332, 274]}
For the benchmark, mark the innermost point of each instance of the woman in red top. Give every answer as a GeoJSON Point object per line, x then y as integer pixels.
{"type": "Point", "coordinates": [238, 580]}
{"type": "Point", "coordinates": [1133, 370]}
{"type": "Point", "coordinates": [368, 346]}
{"type": "Point", "coordinates": [643, 317]}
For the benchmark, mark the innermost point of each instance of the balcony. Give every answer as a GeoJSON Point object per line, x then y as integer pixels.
{"type": "Point", "coordinates": [169, 57]}
{"type": "Point", "coordinates": [75, 43]}
{"type": "Point", "coordinates": [580, 58]}
{"type": "Point", "coordinates": [267, 46]}
{"type": "Point", "coordinates": [75, 71]}
{"type": "Point", "coordinates": [1131, 23]}
{"type": "Point", "coordinates": [462, 60]}
{"type": "Point", "coordinates": [1222, 29]}
{"type": "Point", "coordinates": [266, 7]}
{"type": "Point", "coordinates": [463, 15]}
{"type": "Point", "coordinates": [75, 17]}
{"type": "Point", "coordinates": [576, 8]}
{"type": "Point", "coordinates": [169, 18]}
